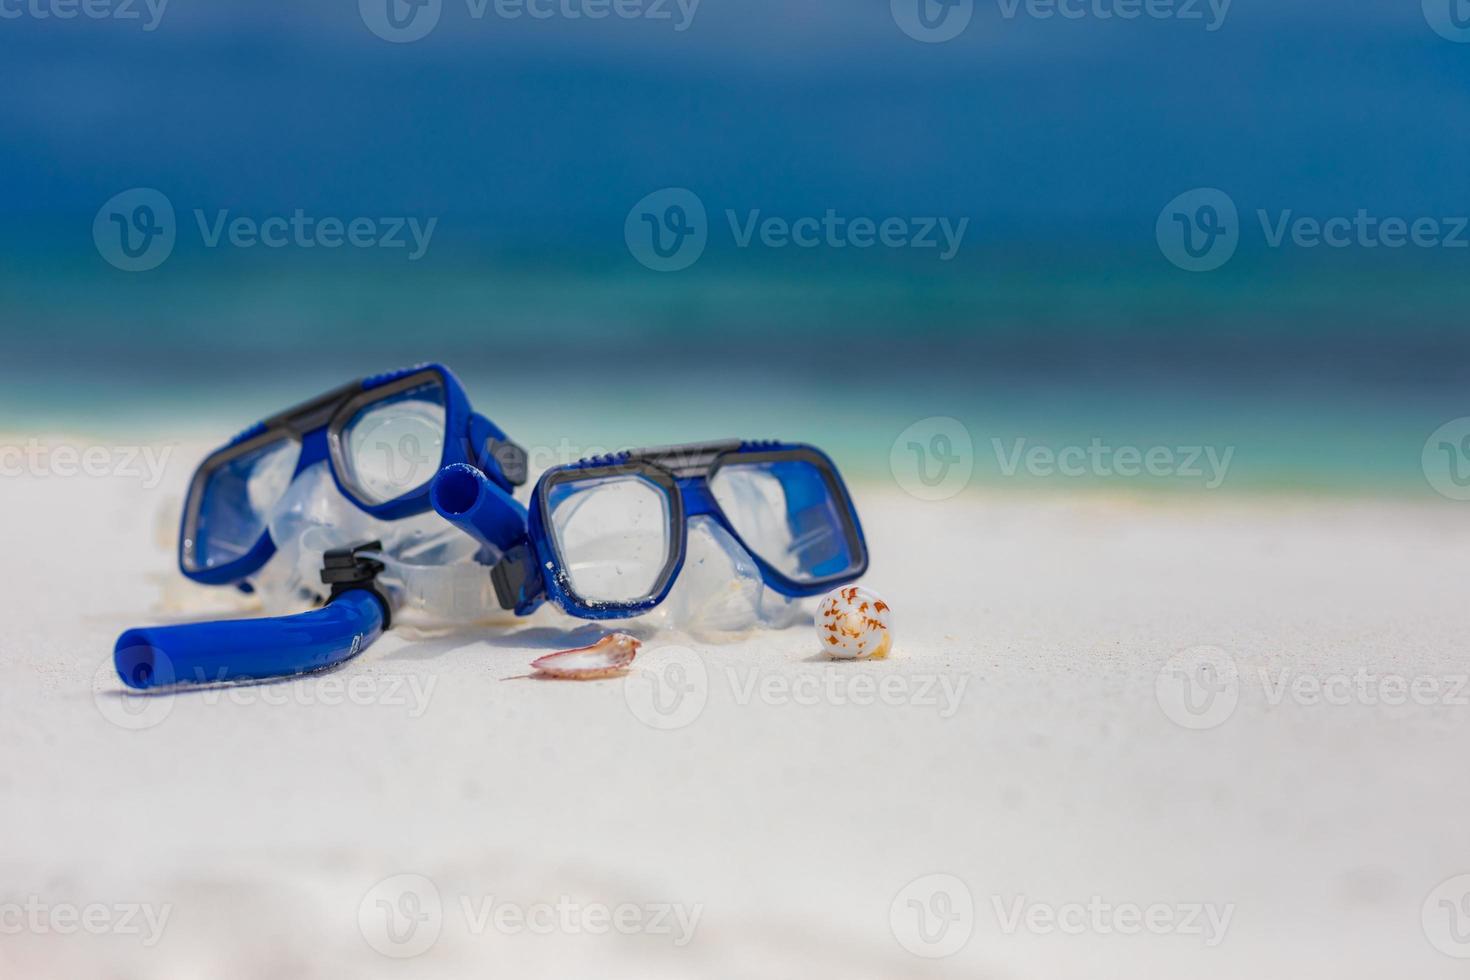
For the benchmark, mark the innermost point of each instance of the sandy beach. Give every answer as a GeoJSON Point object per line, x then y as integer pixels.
{"type": "Point", "coordinates": [1028, 787]}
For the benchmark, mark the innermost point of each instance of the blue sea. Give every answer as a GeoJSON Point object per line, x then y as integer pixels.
{"type": "Point", "coordinates": [1323, 375]}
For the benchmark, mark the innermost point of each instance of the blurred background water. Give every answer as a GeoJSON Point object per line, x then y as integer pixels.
{"type": "Point", "coordinates": [529, 142]}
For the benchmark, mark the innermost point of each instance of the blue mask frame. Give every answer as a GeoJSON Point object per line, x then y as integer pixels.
{"type": "Point", "coordinates": [533, 573]}
{"type": "Point", "coordinates": [317, 425]}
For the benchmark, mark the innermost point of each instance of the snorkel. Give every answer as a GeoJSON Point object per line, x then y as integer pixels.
{"type": "Point", "coordinates": [230, 650]}
{"type": "Point", "coordinates": [349, 528]}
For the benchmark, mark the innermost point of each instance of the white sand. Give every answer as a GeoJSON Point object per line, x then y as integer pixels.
{"type": "Point", "coordinates": [264, 817]}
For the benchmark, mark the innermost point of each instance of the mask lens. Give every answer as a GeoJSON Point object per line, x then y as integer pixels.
{"type": "Point", "coordinates": [612, 535]}
{"type": "Point", "coordinates": [393, 446]}
{"type": "Point", "coordinates": [787, 514]}
{"type": "Point", "coordinates": [236, 500]}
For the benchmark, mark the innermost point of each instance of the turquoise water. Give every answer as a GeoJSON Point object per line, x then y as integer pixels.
{"type": "Point", "coordinates": [1324, 375]}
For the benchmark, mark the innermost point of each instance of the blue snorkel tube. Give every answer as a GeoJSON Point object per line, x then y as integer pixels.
{"type": "Point", "coordinates": [246, 649]}
{"type": "Point", "coordinates": [466, 498]}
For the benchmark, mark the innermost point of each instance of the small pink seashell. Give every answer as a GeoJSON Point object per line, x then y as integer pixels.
{"type": "Point", "coordinates": [607, 657]}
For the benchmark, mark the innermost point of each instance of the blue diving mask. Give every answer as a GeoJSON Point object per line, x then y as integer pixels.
{"type": "Point", "coordinates": [606, 537]}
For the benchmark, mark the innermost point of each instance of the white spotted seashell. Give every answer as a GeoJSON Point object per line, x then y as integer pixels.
{"type": "Point", "coordinates": [853, 622]}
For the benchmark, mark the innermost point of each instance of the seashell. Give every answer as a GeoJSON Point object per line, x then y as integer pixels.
{"type": "Point", "coordinates": [853, 622]}
{"type": "Point", "coordinates": [607, 657]}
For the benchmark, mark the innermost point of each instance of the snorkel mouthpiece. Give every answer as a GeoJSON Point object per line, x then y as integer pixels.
{"type": "Point", "coordinates": [465, 497]}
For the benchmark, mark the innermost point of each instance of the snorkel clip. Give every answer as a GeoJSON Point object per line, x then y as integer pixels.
{"type": "Point", "coordinates": [344, 569]}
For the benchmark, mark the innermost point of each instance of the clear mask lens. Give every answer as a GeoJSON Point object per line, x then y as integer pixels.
{"type": "Point", "coordinates": [393, 447]}
{"type": "Point", "coordinates": [237, 499]}
{"type": "Point", "coordinates": [787, 514]}
{"type": "Point", "coordinates": [612, 535]}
